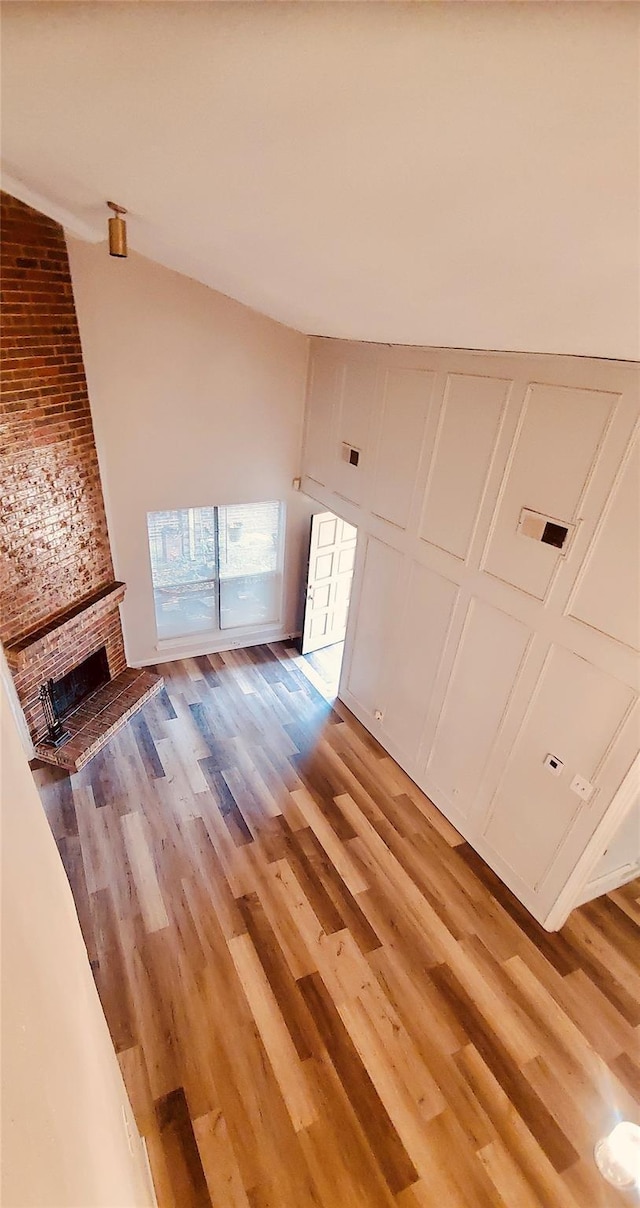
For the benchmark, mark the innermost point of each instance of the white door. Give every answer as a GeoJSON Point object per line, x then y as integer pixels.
{"type": "Point", "coordinates": [331, 554]}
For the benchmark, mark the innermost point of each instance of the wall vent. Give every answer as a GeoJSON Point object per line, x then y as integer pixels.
{"type": "Point", "coordinates": [546, 529]}
{"type": "Point", "coordinates": [350, 454]}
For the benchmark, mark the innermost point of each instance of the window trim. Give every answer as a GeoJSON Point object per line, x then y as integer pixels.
{"type": "Point", "coordinates": [226, 635]}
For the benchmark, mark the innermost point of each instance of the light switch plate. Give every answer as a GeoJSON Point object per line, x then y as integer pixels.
{"type": "Point", "coordinates": [582, 788]}
{"type": "Point", "coordinates": [553, 765]}
{"type": "Point", "coordinates": [350, 454]}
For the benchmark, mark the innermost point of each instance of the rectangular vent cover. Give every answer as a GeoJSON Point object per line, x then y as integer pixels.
{"type": "Point", "coordinates": [351, 455]}
{"type": "Point", "coordinates": [546, 529]}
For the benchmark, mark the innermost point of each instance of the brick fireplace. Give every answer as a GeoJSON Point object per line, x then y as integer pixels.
{"type": "Point", "coordinates": [59, 601]}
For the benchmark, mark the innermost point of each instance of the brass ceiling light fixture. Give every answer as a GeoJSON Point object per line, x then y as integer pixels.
{"type": "Point", "coordinates": [117, 231]}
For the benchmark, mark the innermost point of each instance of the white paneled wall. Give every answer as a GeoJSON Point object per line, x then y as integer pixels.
{"type": "Point", "coordinates": [487, 661]}
{"type": "Point", "coordinates": [468, 425]}
{"type": "Point", "coordinates": [484, 649]}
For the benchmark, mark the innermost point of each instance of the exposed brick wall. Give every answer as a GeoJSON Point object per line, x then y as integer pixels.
{"type": "Point", "coordinates": [54, 547]}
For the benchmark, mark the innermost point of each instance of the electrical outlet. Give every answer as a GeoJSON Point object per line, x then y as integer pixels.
{"type": "Point", "coordinates": [582, 788]}
{"type": "Point", "coordinates": [553, 765]}
{"type": "Point", "coordinates": [296, 484]}
{"type": "Point", "coordinates": [379, 715]}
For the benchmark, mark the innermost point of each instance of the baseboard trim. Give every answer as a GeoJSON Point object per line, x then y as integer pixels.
{"type": "Point", "coordinates": [608, 882]}
{"type": "Point", "coordinates": [202, 644]}
{"type": "Point", "coordinates": [147, 1166]}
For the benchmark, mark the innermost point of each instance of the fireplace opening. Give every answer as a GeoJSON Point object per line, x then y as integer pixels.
{"type": "Point", "coordinates": [80, 682]}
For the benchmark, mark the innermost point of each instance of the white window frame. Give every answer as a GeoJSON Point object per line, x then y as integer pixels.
{"type": "Point", "coordinates": [223, 635]}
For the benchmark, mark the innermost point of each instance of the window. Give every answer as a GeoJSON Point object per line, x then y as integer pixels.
{"type": "Point", "coordinates": [249, 563]}
{"type": "Point", "coordinates": [216, 568]}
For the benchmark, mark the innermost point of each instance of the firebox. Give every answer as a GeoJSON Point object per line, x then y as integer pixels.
{"type": "Point", "coordinates": [80, 682]}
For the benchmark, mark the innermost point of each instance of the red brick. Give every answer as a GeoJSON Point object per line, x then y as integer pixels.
{"type": "Point", "coordinates": [54, 545]}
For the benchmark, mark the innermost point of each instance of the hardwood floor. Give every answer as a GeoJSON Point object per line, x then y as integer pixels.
{"type": "Point", "coordinates": [319, 994]}
{"type": "Point", "coordinates": [327, 665]}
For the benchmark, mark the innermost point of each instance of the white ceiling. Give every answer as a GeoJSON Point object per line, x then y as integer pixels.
{"type": "Point", "coordinates": [449, 174]}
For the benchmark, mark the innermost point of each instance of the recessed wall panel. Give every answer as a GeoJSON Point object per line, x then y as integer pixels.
{"type": "Point", "coordinates": [418, 647]}
{"type": "Point", "coordinates": [405, 405]}
{"type": "Point", "coordinates": [467, 432]}
{"type": "Point", "coordinates": [322, 398]}
{"type": "Point", "coordinates": [376, 623]}
{"type": "Point", "coordinates": [356, 428]}
{"type": "Point", "coordinates": [486, 666]}
{"type": "Point", "coordinates": [554, 454]}
{"type": "Point", "coordinates": [576, 712]}
{"type": "Point", "coordinates": [608, 596]}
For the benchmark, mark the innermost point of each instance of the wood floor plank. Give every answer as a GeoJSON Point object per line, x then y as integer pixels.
{"type": "Point", "coordinates": [90, 824]}
{"type": "Point", "coordinates": [222, 900]}
{"type": "Point", "coordinates": [396, 1083]}
{"type": "Point", "coordinates": [320, 996]}
{"type": "Point", "coordinates": [321, 902]}
{"type": "Point", "coordinates": [183, 1158]}
{"type": "Point", "coordinates": [134, 1071]}
{"type": "Point", "coordinates": [354, 1176]}
{"type": "Point", "coordinates": [71, 855]}
{"type": "Point", "coordinates": [144, 873]}
{"type": "Point", "coordinates": [283, 985]}
{"type": "Point", "coordinates": [110, 972]}
{"type": "Point", "coordinates": [540, 1173]}
{"type": "Point", "coordinates": [525, 1100]}
{"type": "Point", "coordinates": [507, 1179]}
{"type": "Point", "coordinates": [276, 1038]}
{"type": "Point", "coordinates": [337, 889]}
{"type": "Point", "coordinates": [146, 746]}
{"type": "Point", "coordinates": [335, 850]}
{"type": "Point", "coordinates": [391, 1154]}
{"type": "Point", "coordinates": [259, 1126]}
{"type": "Point", "coordinates": [571, 1051]}
{"type": "Point", "coordinates": [218, 1159]}
{"type": "Point", "coordinates": [274, 901]}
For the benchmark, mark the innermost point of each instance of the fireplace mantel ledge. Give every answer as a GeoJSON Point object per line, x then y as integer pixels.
{"type": "Point", "coordinates": [26, 649]}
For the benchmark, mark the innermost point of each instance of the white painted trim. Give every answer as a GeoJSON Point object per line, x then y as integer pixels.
{"type": "Point", "coordinates": [569, 896]}
{"type": "Point", "coordinates": [608, 882]}
{"type": "Point", "coordinates": [90, 232]}
{"type": "Point", "coordinates": [14, 704]}
{"type": "Point", "coordinates": [188, 648]}
{"type": "Point", "coordinates": [147, 1166]}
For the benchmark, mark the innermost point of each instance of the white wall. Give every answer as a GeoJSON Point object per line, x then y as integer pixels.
{"type": "Point", "coordinates": [64, 1141]}
{"type": "Point", "coordinates": [620, 861]}
{"type": "Point", "coordinates": [196, 400]}
{"type": "Point", "coordinates": [484, 649]}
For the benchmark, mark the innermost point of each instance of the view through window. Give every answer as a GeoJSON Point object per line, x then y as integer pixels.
{"type": "Point", "coordinates": [216, 568]}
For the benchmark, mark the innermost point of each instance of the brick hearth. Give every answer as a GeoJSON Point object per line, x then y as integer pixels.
{"type": "Point", "coordinates": [100, 716]}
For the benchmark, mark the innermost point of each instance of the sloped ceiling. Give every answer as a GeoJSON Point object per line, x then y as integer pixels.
{"type": "Point", "coordinates": [449, 174]}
